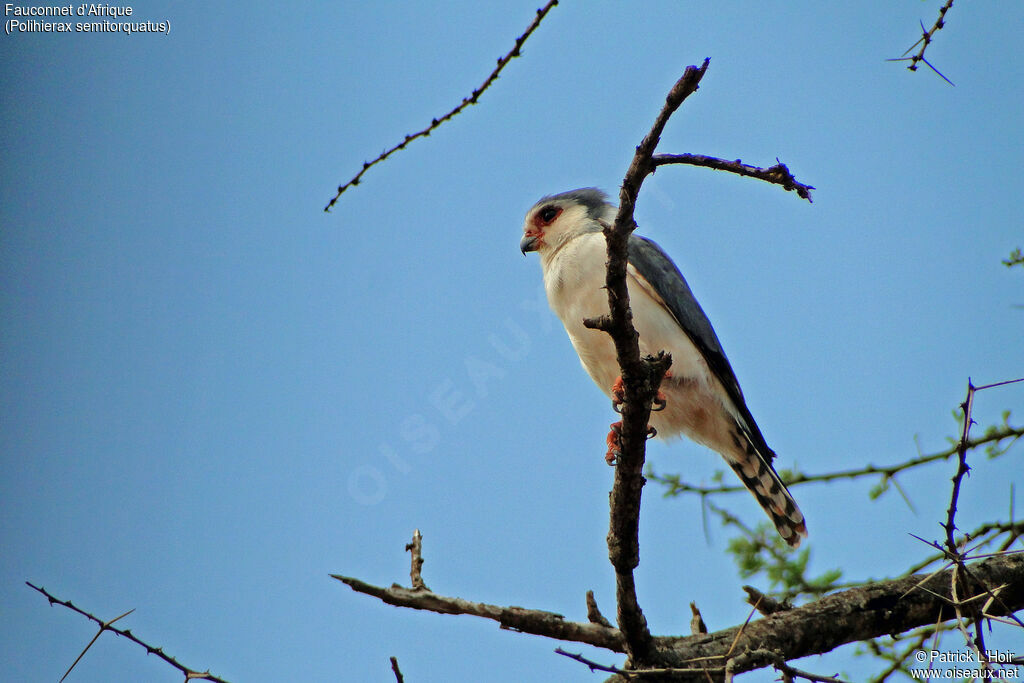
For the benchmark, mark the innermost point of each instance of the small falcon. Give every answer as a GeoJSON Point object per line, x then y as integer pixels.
{"type": "Point", "coordinates": [702, 396]}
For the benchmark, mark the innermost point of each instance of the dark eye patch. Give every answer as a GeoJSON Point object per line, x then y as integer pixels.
{"type": "Point", "coordinates": [548, 214]}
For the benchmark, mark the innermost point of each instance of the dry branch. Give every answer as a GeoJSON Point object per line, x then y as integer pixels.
{"type": "Point", "coordinates": [871, 611]}
{"type": "Point", "coordinates": [466, 101]}
{"type": "Point", "coordinates": [594, 615]}
{"type": "Point", "coordinates": [416, 548]}
{"type": "Point", "coordinates": [399, 678]}
{"type": "Point", "coordinates": [640, 379]}
{"type": "Point", "coordinates": [537, 622]}
{"type": "Point", "coordinates": [961, 470]}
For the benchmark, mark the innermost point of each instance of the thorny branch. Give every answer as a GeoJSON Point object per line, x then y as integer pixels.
{"type": "Point", "coordinates": [962, 580]}
{"type": "Point", "coordinates": [982, 536]}
{"type": "Point", "coordinates": [628, 674]}
{"type": "Point", "coordinates": [466, 101]}
{"type": "Point", "coordinates": [190, 674]}
{"type": "Point", "coordinates": [924, 41]}
{"type": "Point", "coordinates": [961, 470]}
{"type": "Point", "coordinates": [778, 174]}
{"type": "Point", "coordinates": [789, 673]}
{"type": "Point", "coordinates": [886, 472]}
{"type": "Point", "coordinates": [857, 614]}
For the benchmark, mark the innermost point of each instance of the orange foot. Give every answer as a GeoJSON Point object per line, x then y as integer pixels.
{"type": "Point", "coordinates": [614, 447]}
{"type": "Point", "coordinates": [615, 443]}
{"type": "Point", "coordinates": [619, 395]}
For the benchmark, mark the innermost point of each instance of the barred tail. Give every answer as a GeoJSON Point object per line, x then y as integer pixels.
{"type": "Point", "coordinates": [757, 474]}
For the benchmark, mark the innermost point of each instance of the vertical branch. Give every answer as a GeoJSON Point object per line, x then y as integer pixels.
{"type": "Point", "coordinates": [640, 378]}
{"type": "Point", "coordinates": [962, 580]}
{"type": "Point", "coordinates": [399, 678]}
{"type": "Point", "coordinates": [416, 548]}
{"type": "Point", "coordinates": [961, 470]}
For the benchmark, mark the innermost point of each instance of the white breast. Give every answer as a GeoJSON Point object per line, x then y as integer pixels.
{"type": "Point", "coordinates": [574, 279]}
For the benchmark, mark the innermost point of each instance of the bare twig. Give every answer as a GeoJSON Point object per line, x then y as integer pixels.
{"type": "Point", "coordinates": [765, 604]}
{"type": "Point", "coordinates": [190, 674]}
{"type": "Point", "coordinates": [697, 625]}
{"type": "Point", "coordinates": [788, 672]}
{"type": "Point", "coordinates": [793, 672]}
{"type": "Point", "coordinates": [631, 674]}
{"type": "Point", "coordinates": [778, 174]}
{"type": "Point", "coordinates": [591, 664]}
{"type": "Point", "coordinates": [399, 678]}
{"type": "Point", "coordinates": [640, 378]}
{"type": "Point", "coordinates": [466, 101]}
{"type": "Point", "coordinates": [924, 41]}
{"type": "Point", "coordinates": [416, 548]}
{"type": "Point", "coordinates": [594, 615]}
{"type": "Point", "coordinates": [897, 660]}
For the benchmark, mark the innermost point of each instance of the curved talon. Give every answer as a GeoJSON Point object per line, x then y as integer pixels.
{"type": "Point", "coordinates": [614, 447]}
{"type": "Point", "coordinates": [660, 400]}
{"type": "Point", "coordinates": [618, 395]}
{"type": "Point", "coordinates": [651, 432]}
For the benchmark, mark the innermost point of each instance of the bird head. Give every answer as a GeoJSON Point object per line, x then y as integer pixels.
{"type": "Point", "coordinates": [555, 219]}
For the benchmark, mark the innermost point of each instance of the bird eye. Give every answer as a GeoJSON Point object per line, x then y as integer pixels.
{"type": "Point", "coordinates": [548, 214]}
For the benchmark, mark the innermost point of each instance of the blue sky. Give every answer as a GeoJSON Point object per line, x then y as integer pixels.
{"type": "Point", "coordinates": [214, 394]}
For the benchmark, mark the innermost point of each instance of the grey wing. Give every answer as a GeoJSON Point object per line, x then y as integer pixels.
{"type": "Point", "coordinates": [659, 270]}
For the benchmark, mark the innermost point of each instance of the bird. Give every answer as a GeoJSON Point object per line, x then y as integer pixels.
{"type": "Point", "coordinates": [702, 396]}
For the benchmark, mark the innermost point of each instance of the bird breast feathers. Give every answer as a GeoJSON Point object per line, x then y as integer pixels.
{"type": "Point", "coordinates": [574, 279]}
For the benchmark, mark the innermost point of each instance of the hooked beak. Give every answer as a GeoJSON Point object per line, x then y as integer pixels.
{"type": "Point", "coordinates": [529, 243]}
